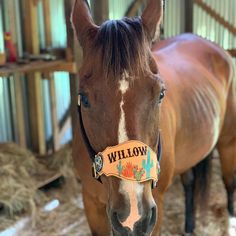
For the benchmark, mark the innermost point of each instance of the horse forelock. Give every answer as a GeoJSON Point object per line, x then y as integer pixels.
{"type": "Point", "coordinates": [123, 46]}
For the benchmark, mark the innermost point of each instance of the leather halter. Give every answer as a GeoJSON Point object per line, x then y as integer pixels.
{"type": "Point", "coordinates": [90, 149]}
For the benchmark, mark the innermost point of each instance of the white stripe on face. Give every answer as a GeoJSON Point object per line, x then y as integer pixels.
{"type": "Point", "coordinates": [122, 134]}
{"type": "Point", "coordinates": [132, 191]}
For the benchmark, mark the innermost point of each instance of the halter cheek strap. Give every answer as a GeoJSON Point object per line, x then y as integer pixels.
{"type": "Point", "coordinates": [90, 150]}
{"type": "Point", "coordinates": [137, 165]}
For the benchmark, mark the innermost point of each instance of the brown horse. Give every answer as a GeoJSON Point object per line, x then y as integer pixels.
{"type": "Point", "coordinates": [122, 86]}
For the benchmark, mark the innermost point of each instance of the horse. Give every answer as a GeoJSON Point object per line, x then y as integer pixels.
{"type": "Point", "coordinates": [143, 105]}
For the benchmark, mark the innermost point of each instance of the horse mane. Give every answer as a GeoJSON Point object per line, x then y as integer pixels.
{"type": "Point", "coordinates": [124, 46]}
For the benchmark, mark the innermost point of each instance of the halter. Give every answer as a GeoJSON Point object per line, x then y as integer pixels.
{"type": "Point", "coordinates": [96, 158]}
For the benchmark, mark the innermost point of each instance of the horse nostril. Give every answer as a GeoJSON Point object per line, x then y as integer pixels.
{"type": "Point", "coordinates": [153, 216]}
{"type": "Point", "coordinates": [116, 224]}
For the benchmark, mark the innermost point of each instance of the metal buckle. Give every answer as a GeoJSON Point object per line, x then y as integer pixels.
{"type": "Point", "coordinates": [94, 172]}
{"type": "Point", "coordinates": [154, 184]}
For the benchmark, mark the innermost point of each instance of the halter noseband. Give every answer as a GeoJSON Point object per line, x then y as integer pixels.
{"type": "Point", "coordinates": [93, 154]}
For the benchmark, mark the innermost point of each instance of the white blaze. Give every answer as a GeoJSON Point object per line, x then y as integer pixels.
{"type": "Point", "coordinates": [132, 191]}
{"type": "Point", "coordinates": [122, 134]}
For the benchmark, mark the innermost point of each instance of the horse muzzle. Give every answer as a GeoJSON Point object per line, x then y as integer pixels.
{"type": "Point", "coordinates": [142, 227]}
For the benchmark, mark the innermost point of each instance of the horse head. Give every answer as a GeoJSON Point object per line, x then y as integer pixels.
{"type": "Point", "coordinates": [120, 93]}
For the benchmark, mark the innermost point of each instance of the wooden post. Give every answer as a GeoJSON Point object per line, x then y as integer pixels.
{"type": "Point", "coordinates": [133, 8]}
{"type": "Point", "coordinates": [34, 79]}
{"type": "Point", "coordinates": [53, 105]}
{"type": "Point", "coordinates": [47, 22]}
{"type": "Point", "coordinates": [50, 77]}
{"type": "Point", "coordinates": [100, 11]}
{"type": "Point", "coordinates": [20, 121]}
{"type": "Point", "coordinates": [189, 16]}
{"type": "Point", "coordinates": [74, 52]}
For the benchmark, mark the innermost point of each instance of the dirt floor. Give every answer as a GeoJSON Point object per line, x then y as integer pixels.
{"type": "Point", "coordinates": [68, 217]}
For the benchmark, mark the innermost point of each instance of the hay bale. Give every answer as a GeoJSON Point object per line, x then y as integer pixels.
{"type": "Point", "coordinates": [61, 161]}
{"type": "Point", "coordinates": [21, 173]}
{"type": "Point", "coordinates": [18, 192]}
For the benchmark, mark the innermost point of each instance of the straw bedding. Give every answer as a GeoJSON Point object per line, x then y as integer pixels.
{"type": "Point", "coordinates": [17, 187]}
{"type": "Point", "coordinates": [20, 175]}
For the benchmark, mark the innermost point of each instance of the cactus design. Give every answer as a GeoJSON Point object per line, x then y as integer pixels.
{"type": "Point", "coordinates": [119, 168]}
{"type": "Point", "coordinates": [128, 170]}
{"type": "Point", "coordinates": [138, 173]}
{"type": "Point", "coordinates": [147, 165]}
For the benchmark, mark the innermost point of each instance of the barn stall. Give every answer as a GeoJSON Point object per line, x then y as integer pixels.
{"type": "Point", "coordinates": [39, 194]}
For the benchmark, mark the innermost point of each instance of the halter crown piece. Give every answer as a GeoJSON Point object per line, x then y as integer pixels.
{"type": "Point", "coordinates": [131, 160]}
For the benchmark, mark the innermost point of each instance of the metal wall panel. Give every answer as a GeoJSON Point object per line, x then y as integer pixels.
{"type": "Point", "coordinates": [207, 27]}
{"type": "Point", "coordinates": [62, 83]}
{"type": "Point", "coordinates": [6, 131]}
{"type": "Point", "coordinates": [6, 127]}
{"type": "Point", "coordinates": [117, 9]}
{"type": "Point", "coordinates": [1, 30]}
{"type": "Point", "coordinates": [174, 18]}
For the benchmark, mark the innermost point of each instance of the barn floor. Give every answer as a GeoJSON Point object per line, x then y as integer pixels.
{"type": "Point", "coordinates": [67, 217]}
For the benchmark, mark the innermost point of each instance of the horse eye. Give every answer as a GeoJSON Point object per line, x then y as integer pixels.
{"type": "Point", "coordinates": [84, 100]}
{"type": "Point", "coordinates": [162, 95]}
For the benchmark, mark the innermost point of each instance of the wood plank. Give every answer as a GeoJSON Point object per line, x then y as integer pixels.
{"type": "Point", "coordinates": [12, 22]}
{"type": "Point", "coordinates": [53, 105]}
{"type": "Point", "coordinates": [49, 180]}
{"type": "Point", "coordinates": [20, 121]}
{"type": "Point", "coordinates": [34, 79]}
{"type": "Point", "coordinates": [31, 27]}
{"type": "Point", "coordinates": [75, 50]}
{"type": "Point", "coordinates": [36, 113]}
{"type": "Point", "coordinates": [47, 23]}
{"type": "Point", "coordinates": [232, 52]}
{"type": "Point", "coordinates": [38, 66]}
{"type": "Point", "coordinates": [216, 16]}
{"type": "Point", "coordinates": [133, 8]}
{"type": "Point", "coordinates": [100, 11]}
{"type": "Point", "coordinates": [65, 127]}
{"type": "Point", "coordinates": [189, 16]}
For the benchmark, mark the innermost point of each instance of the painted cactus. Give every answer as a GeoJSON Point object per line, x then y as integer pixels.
{"type": "Point", "coordinates": [147, 165]}
{"type": "Point", "coordinates": [119, 168]}
{"type": "Point", "coordinates": [138, 173]}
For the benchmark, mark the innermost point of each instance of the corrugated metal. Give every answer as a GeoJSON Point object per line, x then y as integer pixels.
{"type": "Point", "coordinates": [1, 30]}
{"type": "Point", "coordinates": [173, 18]}
{"type": "Point", "coordinates": [18, 28]}
{"type": "Point", "coordinates": [41, 25]}
{"type": "Point", "coordinates": [58, 23]}
{"type": "Point", "coordinates": [117, 9]}
{"type": "Point", "coordinates": [6, 132]}
{"type": "Point", "coordinates": [61, 79]}
{"type": "Point", "coordinates": [207, 27]}
{"type": "Point", "coordinates": [6, 127]}
{"type": "Point", "coordinates": [62, 83]}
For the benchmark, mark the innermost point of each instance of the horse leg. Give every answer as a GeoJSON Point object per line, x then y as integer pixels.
{"type": "Point", "coordinates": [228, 165]}
{"type": "Point", "coordinates": [196, 183]}
{"type": "Point", "coordinates": [96, 216]}
{"type": "Point", "coordinates": [188, 182]}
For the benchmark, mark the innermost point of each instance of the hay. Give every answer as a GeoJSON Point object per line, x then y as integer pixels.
{"type": "Point", "coordinates": [20, 175]}
{"type": "Point", "coordinates": [68, 219]}
{"type": "Point", "coordinates": [17, 187]}
{"type": "Point", "coordinates": [61, 161]}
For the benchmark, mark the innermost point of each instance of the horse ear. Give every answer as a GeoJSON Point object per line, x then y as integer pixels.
{"type": "Point", "coordinates": [82, 21]}
{"type": "Point", "coordinates": [152, 17]}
